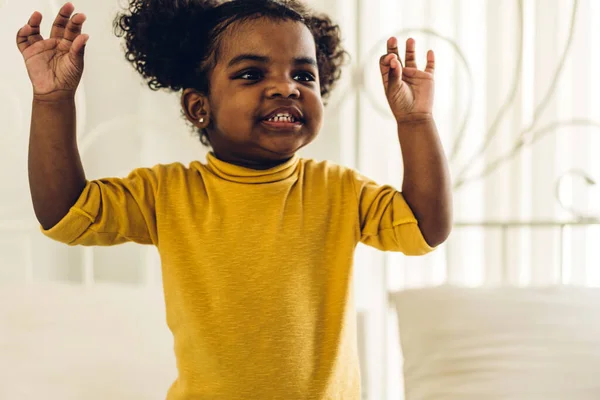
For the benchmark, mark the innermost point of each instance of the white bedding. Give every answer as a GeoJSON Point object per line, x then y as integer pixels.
{"type": "Point", "coordinates": [68, 342]}
{"type": "Point", "coordinates": [500, 343]}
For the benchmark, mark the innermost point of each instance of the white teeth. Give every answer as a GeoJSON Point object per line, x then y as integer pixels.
{"type": "Point", "coordinates": [282, 118]}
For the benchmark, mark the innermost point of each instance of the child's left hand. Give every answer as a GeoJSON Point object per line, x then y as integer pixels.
{"type": "Point", "coordinates": [408, 90]}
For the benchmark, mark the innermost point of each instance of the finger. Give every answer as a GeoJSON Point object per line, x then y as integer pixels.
{"type": "Point", "coordinates": [33, 34]}
{"type": "Point", "coordinates": [391, 70]}
{"type": "Point", "coordinates": [30, 32]}
{"type": "Point", "coordinates": [34, 22]}
{"type": "Point", "coordinates": [395, 73]}
{"type": "Point", "coordinates": [60, 23]}
{"type": "Point", "coordinates": [23, 37]}
{"type": "Point", "coordinates": [385, 63]}
{"type": "Point", "coordinates": [392, 47]}
{"type": "Point", "coordinates": [78, 49]}
{"type": "Point", "coordinates": [430, 62]}
{"type": "Point", "coordinates": [74, 27]}
{"type": "Point", "coordinates": [410, 54]}
{"type": "Point", "coordinates": [384, 60]}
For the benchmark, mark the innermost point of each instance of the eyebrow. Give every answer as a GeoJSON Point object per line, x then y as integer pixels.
{"type": "Point", "coordinates": [265, 60]}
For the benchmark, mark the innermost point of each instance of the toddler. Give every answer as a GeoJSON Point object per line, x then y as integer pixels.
{"type": "Point", "coordinates": [256, 243]}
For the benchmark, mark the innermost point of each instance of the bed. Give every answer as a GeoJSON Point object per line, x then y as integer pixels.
{"type": "Point", "coordinates": [93, 342]}
{"type": "Point", "coordinates": [108, 341]}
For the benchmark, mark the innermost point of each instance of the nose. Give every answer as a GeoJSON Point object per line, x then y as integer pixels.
{"type": "Point", "coordinates": [286, 88]}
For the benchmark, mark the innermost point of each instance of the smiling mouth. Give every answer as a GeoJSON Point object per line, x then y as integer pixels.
{"type": "Point", "coordinates": [283, 123]}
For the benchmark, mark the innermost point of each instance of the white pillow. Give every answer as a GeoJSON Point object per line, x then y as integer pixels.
{"type": "Point", "coordinates": [500, 343]}
{"type": "Point", "coordinates": [69, 342]}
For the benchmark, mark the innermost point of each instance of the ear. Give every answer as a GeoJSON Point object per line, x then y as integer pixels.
{"type": "Point", "coordinates": [196, 108]}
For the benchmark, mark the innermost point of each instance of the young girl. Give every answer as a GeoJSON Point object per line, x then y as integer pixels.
{"type": "Point", "coordinates": [256, 244]}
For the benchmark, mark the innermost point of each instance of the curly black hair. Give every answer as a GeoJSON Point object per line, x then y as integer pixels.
{"type": "Point", "coordinates": [174, 44]}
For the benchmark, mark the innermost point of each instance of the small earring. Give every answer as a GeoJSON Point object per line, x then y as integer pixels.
{"type": "Point", "coordinates": [201, 120]}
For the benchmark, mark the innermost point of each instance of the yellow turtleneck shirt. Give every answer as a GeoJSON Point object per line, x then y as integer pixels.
{"type": "Point", "coordinates": [257, 268]}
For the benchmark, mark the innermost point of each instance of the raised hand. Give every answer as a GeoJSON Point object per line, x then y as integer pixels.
{"type": "Point", "coordinates": [54, 65]}
{"type": "Point", "coordinates": [409, 91]}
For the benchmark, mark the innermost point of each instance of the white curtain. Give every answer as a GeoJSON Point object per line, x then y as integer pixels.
{"type": "Point", "coordinates": [517, 105]}
{"type": "Point", "coordinates": [518, 94]}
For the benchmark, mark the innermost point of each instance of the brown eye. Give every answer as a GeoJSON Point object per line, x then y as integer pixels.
{"type": "Point", "coordinates": [250, 75]}
{"type": "Point", "coordinates": [305, 77]}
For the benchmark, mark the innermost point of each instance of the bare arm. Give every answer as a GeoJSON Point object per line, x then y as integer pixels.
{"type": "Point", "coordinates": [56, 176]}
{"type": "Point", "coordinates": [55, 67]}
{"type": "Point", "coordinates": [426, 186]}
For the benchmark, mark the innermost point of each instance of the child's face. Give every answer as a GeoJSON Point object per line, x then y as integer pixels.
{"type": "Point", "coordinates": [264, 66]}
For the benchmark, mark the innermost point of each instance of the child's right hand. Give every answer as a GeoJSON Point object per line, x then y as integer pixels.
{"type": "Point", "coordinates": [54, 65]}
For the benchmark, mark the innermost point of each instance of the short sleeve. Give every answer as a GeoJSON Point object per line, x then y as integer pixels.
{"type": "Point", "coordinates": [386, 221]}
{"type": "Point", "coordinates": [112, 211]}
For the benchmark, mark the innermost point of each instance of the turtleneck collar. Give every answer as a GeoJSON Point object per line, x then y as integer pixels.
{"type": "Point", "coordinates": [235, 173]}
